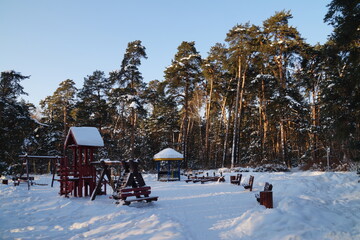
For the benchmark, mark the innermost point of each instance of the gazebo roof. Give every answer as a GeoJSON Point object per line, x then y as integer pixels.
{"type": "Point", "coordinates": [84, 136]}
{"type": "Point", "coordinates": [168, 154]}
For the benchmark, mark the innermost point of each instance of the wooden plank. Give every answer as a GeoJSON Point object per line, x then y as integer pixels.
{"type": "Point", "coordinates": [135, 189]}
{"type": "Point", "coordinates": [138, 194]}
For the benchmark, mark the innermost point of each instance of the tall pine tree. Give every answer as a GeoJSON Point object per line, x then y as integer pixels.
{"type": "Point", "coordinates": [15, 121]}
{"type": "Point", "coordinates": [183, 77]}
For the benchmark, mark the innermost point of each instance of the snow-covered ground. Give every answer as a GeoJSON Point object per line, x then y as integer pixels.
{"type": "Point", "coordinates": [307, 205]}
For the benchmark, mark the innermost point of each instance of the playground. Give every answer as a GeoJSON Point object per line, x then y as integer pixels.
{"type": "Point", "coordinates": [208, 204]}
{"type": "Point", "coordinates": [307, 205]}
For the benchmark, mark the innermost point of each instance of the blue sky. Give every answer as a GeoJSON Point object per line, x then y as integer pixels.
{"type": "Point", "coordinates": [57, 40]}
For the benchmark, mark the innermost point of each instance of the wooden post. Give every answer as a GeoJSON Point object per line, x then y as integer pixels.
{"type": "Point", "coordinates": [99, 183]}
{"type": "Point", "coordinates": [79, 164]}
{"type": "Point", "coordinates": [27, 172]}
{"type": "Point", "coordinates": [266, 199]}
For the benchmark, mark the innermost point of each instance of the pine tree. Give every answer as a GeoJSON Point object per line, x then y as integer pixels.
{"type": "Point", "coordinates": [283, 45]}
{"type": "Point", "coordinates": [15, 121]}
{"type": "Point", "coordinates": [161, 126]}
{"type": "Point", "coordinates": [183, 77]}
{"type": "Point", "coordinates": [127, 100]}
{"type": "Point", "coordinates": [91, 108]}
{"type": "Point", "coordinates": [341, 93]}
{"type": "Point", "coordinates": [243, 46]}
{"type": "Point", "coordinates": [217, 80]}
{"type": "Point", "coordinates": [58, 112]}
{"type": "Point", "coordinates": [312, 74]}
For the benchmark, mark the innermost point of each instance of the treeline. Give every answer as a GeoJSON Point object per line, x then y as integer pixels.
{"type": "Point", "coordinates": [264, 96]}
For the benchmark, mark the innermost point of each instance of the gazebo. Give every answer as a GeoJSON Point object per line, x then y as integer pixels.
{"type": "Point", "coordinates": [168, 164]}
{"type": "Point", "coordinates": [77, 175]}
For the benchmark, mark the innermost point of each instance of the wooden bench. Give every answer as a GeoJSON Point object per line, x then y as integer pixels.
{"type": "Point", "coordinates": [267, 187]}
{"type": "Point", "coordinates": [250, 184]}
{"type": "Point", "coordinates": [265, 197]}
{"type": "Point", "coordinates": [236, 179]}
{"type": "Point", "coordinates": [205, 179]}
{"type": "Point", "coordinates": [194, 179]}
{"type": "Point", "coordinates": [140, 194]}
{"type": "Point", "coordinates": [212, 179]}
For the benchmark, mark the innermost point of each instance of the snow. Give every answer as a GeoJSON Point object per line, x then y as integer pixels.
{"type": "Point", "coordinates": [331, 85]}
{"type": "Point", "coordinates": [292, 100]}
{"type": "Point", "coordinates": [168, 153]}
{"type": "Point", "coordinates": [133, 105]}
{"type": "Point", "coordinates": [240, 29]}
{"type": "Point", "coordinates": [39, 123]}
{"type": "Point", "coordinates": [189, 57]}
{"type": "Point", "coordinates": [307, 205]}
{"type": "Point", "coordinates": [86, 136]}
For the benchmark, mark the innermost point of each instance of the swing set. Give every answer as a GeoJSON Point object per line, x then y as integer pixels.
{"type": "Point", "coordinates": [25, 170]}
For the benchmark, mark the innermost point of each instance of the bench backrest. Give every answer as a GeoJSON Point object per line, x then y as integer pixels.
{"type": "Point", "coordinates": [268, 187]}
{"type": "Point", "coordinates": [251, 182]}
{"type": "Point", "coordinates": [238, 177]}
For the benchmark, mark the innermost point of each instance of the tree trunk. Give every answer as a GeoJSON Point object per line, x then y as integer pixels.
{"type": "Point", "coordinates": [185, 126]}
{"type": "Point", "coordinates": [263, 118]}
{"type": "Point", "coordinates": [65, 120]}
{"type": "Point", "coordinates": [314, 118]}
{"type": "Point", "coordinates": [236, 117]}
{"type": "Point", "coordinates": [133, 129]}
{"type": "Point", "coordinates": [208, 122]}
{"type": "Point", "coordinates": [226, 138]}
{"type": "Point", "coordinates": [240, 114]}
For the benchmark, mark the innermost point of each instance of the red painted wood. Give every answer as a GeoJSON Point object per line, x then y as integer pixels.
{"type": "Point", "coordinates": [266, 199]}
{"type": "Point", "coordinates": [137, 194]}
{"type": "Point", "coordinates": [135, 189]}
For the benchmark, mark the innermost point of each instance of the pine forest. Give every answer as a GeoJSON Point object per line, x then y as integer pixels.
{"type": "Point", "coordinates": [263, 97]}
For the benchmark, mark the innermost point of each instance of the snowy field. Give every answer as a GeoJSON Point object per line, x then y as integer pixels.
{"type": "Point", "coordinates": [307, 205]}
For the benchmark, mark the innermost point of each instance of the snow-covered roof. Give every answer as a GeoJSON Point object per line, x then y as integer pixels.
{"type": "Point", "coordinates": [84, 136]}
{"type": "Point", "coordinates": [168, 154]}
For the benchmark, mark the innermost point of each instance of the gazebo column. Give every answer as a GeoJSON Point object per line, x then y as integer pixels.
{"type": "Point", "coordinates": [158, 170]}
{"type": "Point", "coordinates": [179, 163]}
{"type": "Point", "coordinates": [169, 169]}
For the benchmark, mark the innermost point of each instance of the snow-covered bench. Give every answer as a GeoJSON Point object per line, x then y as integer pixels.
{"type": "Point", "coordinates": [250, 184]}
{"type": "Point", "coordinates": [265, 197]}
{"type": "Point", "coordinates": [236, 179]}
{"type": "Point", "coordinates": [204, 179]}
{"type": "Point", "coordinates": [267, 187]}
{"type": "Point", "coordinates": [213, 179]}
{"type": "Point", "coordinates": [140, 194]}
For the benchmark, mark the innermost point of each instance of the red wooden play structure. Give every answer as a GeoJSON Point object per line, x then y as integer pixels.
{"type": "Point", "coordinates": [80, 175]}
{"type": "Point", "coordinates": [77, 175]}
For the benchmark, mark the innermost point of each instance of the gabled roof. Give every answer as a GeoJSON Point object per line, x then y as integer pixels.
{"type": "Point", "coordinates": [84, 136]}
{"type": "Point", "coordinates": [168, 154]}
